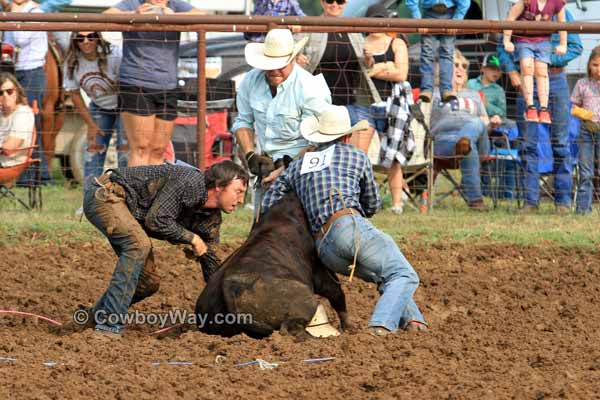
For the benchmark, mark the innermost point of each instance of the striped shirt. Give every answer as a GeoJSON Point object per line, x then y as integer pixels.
{"type": "Point", "coordinates": [347, 182]}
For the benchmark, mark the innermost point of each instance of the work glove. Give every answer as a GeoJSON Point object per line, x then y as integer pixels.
{"type": "Point", "coordinates": [591, 126]}
{"type": "Point", "coordinates": [210, 264]}
{"type": "Point", "coordinates": [259, 165]}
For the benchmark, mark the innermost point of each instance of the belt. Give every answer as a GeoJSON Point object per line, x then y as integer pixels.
{"type": "Point", "coordinates": [323, 230]}
{"type": "Point", "coordinates": [556, 70]}
{"type": "Point", "coordinates": [441, 8]}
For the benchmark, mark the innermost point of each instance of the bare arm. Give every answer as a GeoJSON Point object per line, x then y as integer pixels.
{"type": "Point", "coordinates": [398, 70]}
{"type": "Point", "coordinates": [561, 17]}
{"type": "Point", "coordinates": [245, 138]}
{"type": "Point", "coordinates": [10, 144]}
{"type": "Point", "coordinates": [513, 14]}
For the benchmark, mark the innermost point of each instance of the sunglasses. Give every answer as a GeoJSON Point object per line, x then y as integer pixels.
{"type": "Point", "coordinates": [464, 66]}
{"type": "Point", "coordinates": [90, 37]}
{"type": "Point", "coordinates": [9, 92]}
{"type": "Point", "coordinates": [340, 2]}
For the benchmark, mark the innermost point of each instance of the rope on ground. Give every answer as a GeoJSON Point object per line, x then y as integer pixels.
{"type": "Point", "coordinates": [14, 312]}
{"type": "Point", "coordinates": [356, 232]}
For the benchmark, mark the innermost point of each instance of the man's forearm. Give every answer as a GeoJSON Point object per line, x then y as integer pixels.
{"type": "Point", "coordinates": [245, 139]}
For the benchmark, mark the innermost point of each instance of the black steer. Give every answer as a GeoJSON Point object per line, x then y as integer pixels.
{"type": "Point", "coordinates": [270, 281]}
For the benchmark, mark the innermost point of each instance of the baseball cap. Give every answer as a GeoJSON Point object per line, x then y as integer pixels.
{"type": "Point", "coordinates": [491, 61]}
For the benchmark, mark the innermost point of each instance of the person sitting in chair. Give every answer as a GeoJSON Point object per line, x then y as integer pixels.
{"type": "Point", "coordinates": [16, 122]}
{"type": "Point", "coordinates": [460, 129]}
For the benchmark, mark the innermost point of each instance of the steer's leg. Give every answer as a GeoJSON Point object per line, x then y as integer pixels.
{"type": "Point", "coordinates": [327, 285]}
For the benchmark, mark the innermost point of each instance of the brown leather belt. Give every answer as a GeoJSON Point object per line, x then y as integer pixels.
{"type": "Point", "coordinates": [555, 70]}
{"type": "Point", "coordinates": [334, 217]}
{"type": "Point", "coordinates": [441, 8]}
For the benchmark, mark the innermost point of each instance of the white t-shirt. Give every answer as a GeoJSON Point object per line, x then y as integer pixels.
{"type": "Point", "coordinates": [18, 125]}
{"type": "Point", "coordinates": [101, 87]}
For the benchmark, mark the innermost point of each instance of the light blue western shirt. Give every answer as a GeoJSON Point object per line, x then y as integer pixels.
{"type": "Point", "coordinates": [276, 120]}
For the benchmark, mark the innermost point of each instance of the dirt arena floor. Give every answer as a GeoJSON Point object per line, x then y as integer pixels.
{"type": "Point", "coordinates": [506, 323]}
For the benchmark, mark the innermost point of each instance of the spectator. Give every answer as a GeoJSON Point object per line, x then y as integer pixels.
{"type": "Point", "coordinates": [495, 98]}
{"type": "Point", "coordinates": [16, 122]}
{"type": "Point", "coordinates": [533, 51]}
{"type": "Point", "coordinates": [273, 8]}
{"type": "Point", "coordinates": [338, 198]}
{"type": "Point", "coordinates": [272, 100]}
{"type": "Point", "coordinates": [462, 131]}
{"type": "Point", "coordinates": [559, 130]}
{"type": "Point", "coordinates": [92, 65]}
{"type": "Point", "coordinates": [31, 48]}
{"type": "Point", "coordinates": [147, 81]}
{"type": "Point", "coordinates": [387, 59]}
{"type": "Point", "coordinates": [340, 58]}
{"type": "Point", "coordinates": [434, 9]}
{"type": "Point", "coordinates": [586, 94]}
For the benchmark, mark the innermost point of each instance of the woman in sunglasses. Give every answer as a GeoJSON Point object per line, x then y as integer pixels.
{"type": "Point", "coordinates": [92, 65]}
{"type": "Point", "coordinates": [16, 122]}
{"type": "Point", "coordinates": [339, 57]}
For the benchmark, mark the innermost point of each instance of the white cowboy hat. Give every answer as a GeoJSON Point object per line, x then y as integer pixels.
{"type": "Point", "coordinates": [319, 326]}
{"type": "Point", "coordinates": [276, 52]}
{"type": "Point", "coordinates": [332, 123]}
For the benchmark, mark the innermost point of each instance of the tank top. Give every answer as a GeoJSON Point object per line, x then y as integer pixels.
{"type": "Point", "coordinates": [384, 87]}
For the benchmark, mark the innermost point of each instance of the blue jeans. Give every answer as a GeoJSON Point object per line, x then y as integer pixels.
{"type": "Point", "coordinates": [34, 84]}
{"type": "Point", "coordinates": [559, 106]}
{"type": "Point", "coordinates": [379, 261]}
{"type": "Point", "coordinates": [445, 146]}
{"type": "Point", "coordinates": [107, 210]}
{"type": "Point", "coordinates": [589, 154]}
{"type": "Point", "coordinates": [107, 121]}
{"type": "Point", "coordinates": [445, 53]}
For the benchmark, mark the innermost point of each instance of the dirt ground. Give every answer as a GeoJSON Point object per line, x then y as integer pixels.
{"type": "Point", "coordinates": [506, 322]}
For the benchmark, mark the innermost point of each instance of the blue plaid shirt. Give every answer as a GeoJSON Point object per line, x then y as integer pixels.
{"type": "Point", "coordinates": [350, 175]}
{"type": "Point", "coordinates": [268, 7]}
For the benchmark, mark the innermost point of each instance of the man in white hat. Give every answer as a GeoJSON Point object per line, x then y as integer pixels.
{"type": "Point", "coordinates": [272, 100]}
{"type": "Point", "coordinates": [337, 189]}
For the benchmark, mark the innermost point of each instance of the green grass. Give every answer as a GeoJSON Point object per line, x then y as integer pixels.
{"type": "Point", "coordinates": [450, 222]}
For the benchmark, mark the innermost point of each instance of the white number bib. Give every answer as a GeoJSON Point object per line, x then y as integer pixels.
{"type": "Point", "coordinates": [317, 160]}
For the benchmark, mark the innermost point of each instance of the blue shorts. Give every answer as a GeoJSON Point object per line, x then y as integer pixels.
{"type": "Point", "coordinates": [374, 115]}
{"type": "Point", "coordinates": [540, 51]}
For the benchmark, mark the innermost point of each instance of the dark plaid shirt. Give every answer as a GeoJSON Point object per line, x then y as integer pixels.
{"type": "Point", "coordinates": [269, 8]}
{"type": "Point", "coordinates": [166, 200]}
{"type": "Point", "coordinates": [348, 177]}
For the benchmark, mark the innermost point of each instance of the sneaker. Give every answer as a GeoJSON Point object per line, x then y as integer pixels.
{"type": "Point", "coordinates": [478, 205]}
{"type": "Point", "coordinates": [425, 97]}
{"type": "Point", "coordinates": [544, 116]}
{"type": "Point", "coordinates": [531, 115]}
{"type": "Point", "coordinates": [397, 209]}
{"type": "Point", "coordinates": [463, 147]}
{"type": "Point", "coordinates": [414, 326]}
{"type": "Point", "coordinates": [447, 97]}
{"type": "Point", "coordinates": [379, 331]}
{"type": "Point", "coordinates": [529, 208]}
{"type": "Point", "coordinates": [109, 330]}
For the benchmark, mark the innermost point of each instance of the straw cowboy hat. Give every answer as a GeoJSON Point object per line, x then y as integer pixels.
{"type": "Point", "coordinates": [319, 326]}
{"type": "Point", "coordinates": [276, 52]}
{"type": "Point", "coordinates": [332, 123]}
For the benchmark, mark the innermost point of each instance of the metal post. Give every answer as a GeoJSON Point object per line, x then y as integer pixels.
{"type": "Point", "coordinates": [201, 102]}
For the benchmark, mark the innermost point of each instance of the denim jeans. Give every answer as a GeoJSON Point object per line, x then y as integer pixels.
{"type": "Point", "coordinates": [445, 53]}
{"type": "Point", "coordinates": [34, 84]}
{"type": "Point", "coordinates": [379, 261]}
{"type": "Point", "coordinates": [559, 106]}
{"type": "Point", "coordinates": [589, 154]}
{"type": "Point", "coordinates": [108, 122]}
{"type": "Point", "coordinates": [134, 277]}
{"type": "Point", "coordinates": [445, 146]}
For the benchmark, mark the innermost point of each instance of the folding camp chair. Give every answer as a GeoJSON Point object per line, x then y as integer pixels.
{"type": "Point", "coordinates": [8, 175]}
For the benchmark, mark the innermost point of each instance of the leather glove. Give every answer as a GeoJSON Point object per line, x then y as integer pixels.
{"type": "Point", "coordinates": [210, 264]}
{"type": "Point", "coordinates": [591, 126]}
{"type": "Point", "coordinates": [259, 165]}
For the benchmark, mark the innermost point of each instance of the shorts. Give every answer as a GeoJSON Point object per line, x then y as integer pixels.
{"type": "Point", "coordinates": [539, 51]}
{"type": "Point", "coordinates": [358, 113]}
{"type": "Point", "coordinates": [146, 102]}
